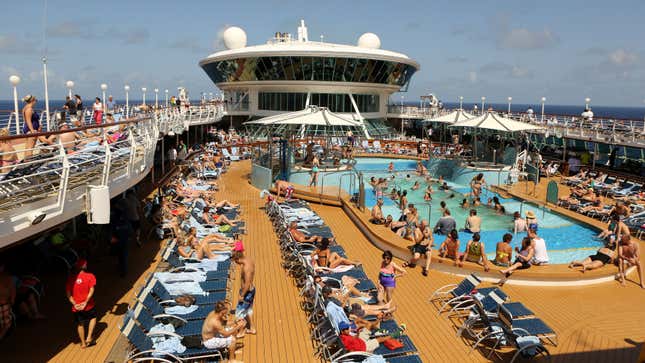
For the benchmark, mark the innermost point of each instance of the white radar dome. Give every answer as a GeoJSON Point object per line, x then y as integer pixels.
{"type": "Point", "coordinates": [369, 40]}
{"type": "Point", "coordinates": [234, 38]}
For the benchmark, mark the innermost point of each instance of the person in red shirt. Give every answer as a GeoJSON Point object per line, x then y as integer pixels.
{"type": "Point", "coordinates": [360, 343]}
{"type": "Point", "coordinates": [80, 292]}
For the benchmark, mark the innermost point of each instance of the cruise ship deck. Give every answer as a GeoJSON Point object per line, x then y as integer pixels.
{"type": "Point", "coordinates": [598, 323]}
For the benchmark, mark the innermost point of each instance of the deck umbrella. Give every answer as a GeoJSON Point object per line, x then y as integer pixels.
{"type": "Point", "coordinates": [457, 115]}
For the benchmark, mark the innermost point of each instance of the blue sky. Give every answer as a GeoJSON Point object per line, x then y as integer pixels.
{"type": "Point", "coordinates": [564, 50]}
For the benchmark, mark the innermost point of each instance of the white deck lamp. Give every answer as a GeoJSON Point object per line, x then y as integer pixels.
{"type": "Point", "coordinates": [14, 80]}
{"type": "Point", "coordinates": [510, 99]}
{"type": "Point", "coordinates": [69, 85]}
{"type": "Point", "coordinates": [483, 103]}
{"type": "Point", "coordinates": [542, 116]}
{"type": "Point", "coordinates": [461, 102]}
{"type": "Point", "coordinates": [166, 91]}
{"type": "Point", "coordinates": [143, 89]}
{"type": "Point", "coordinates": [156, 98]}
{"type": "Point", "coordinates": [127, 100]}
{"type": "Point", "coordinates": [587, 102]}
{"type": "Point", "coordinates": [104, 88]}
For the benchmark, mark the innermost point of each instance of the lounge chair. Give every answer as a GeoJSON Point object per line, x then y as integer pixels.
{"type": "Point", "coordinates": [448, 293]}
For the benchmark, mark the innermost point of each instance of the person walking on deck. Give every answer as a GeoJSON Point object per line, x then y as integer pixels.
{"type": "Point", "coordinates": [244, 308]}
{"type": "Point", "coordinates": [80, 293]}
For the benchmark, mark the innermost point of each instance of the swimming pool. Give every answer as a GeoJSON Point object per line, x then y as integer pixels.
{"type": "Point", "coordinates": [566, 239]}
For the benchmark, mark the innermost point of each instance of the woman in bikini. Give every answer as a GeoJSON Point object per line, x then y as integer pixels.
{"type": "Point", "coordinates": [476, 184]}
{"type": "Point", "coordinates": [522, 260]}
{"type": "Point", "coordinates": [450, 246]}
{"type": "Point", "coordinates": [388, 274]}
{"type": "Point", "coordinates": [323, 257]}
{"type": "Point", "coordinates": [217, 219]}
{"type": "Point", "coordinates": [193, 248]}
{"type": "Point", "coordinates": [475, 252]}
{"type": "Point", "coordinates": [503, 251]}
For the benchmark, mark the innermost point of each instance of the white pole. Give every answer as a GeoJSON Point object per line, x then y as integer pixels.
{"type": "Point", "coordinates": [144, 95]}
{"type": "Point", "coordinates": [542, 117]}
{"type": "Point", "coordinates": [166, 98]}
{"type": "Point", "coordinates": [156, 98]}
{"type": "Point", "coordinates": [587, 102]}
{"type": "Point", "coordinates": [509, 104]}
{"type": "Point", "coordinates": [70, 85]}
{"type": "Point", "coordinates": [483, 103]}
{"type": "Point", "coordinates": [461, 101]}
{"type": "Point", "coordinates": [14, 82]}
{"type": "Point", "coordinates": [46, 92]}
{"type": "Point", "coordinates": [127, 101]}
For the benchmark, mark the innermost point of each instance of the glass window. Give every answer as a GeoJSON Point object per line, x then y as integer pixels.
{"type": "Point", "coordinates": [307, 68]}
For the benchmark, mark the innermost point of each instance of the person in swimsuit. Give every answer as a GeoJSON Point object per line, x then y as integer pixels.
{"type": "Point", "coordinates": [450, 246]}
{"type": "Point", "coordinates": [30, 125]}
{"type": "Point", "coordinates": [215, 332]}
{"type": "Point", "coordinates": [388, 274]}
{"type": "Point", "coordinates": [300, 237]}
{"type": "Point", "coordinates": [217, 219]}
{"type": "Point", "coordinates": [395, 226]}
{"type": "Point", "coordinates": [601, 258]}
{"type": "Point", "coordinates": [192, 247]}
{"type": "Point", "coordinates": [422, 247]}
{"type": "Point", "coordinates": [390, 167]}
{"type": "Point", "coordinates": [629, 255]}
{"type": "Point", "coordinates": [416, 185]}
{"type": "Point", "coordinates": [475, 252]}
{"type": "Point", "coordinates": [325, 258]}
{"type": "Point", "coordinates": [377, 213]}
{"type": "Point", "coordinates": [244, 307]}
{"type": "Point", "coordinates": [403, 202]}
{"type": "Point", "coordinates": [476, 185]}
{"type": "Point", "coordinates": [283, 185]}
{"type": "Point", "coordinates": [315, 164]}
{"type": "Point", "coordinates": [503, 251]}
{"type": "Point", "coordinates": [522, 260]}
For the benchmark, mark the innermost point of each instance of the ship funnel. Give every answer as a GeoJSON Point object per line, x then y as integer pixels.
{"type": "Point", "coordinates": [302, 32]}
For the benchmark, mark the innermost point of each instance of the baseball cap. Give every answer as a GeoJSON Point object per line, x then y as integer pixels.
{"type": "Point", "coordinates": [343, 325]}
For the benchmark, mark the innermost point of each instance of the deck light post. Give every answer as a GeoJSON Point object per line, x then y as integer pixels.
{"type": "Point", "coordinates": [461, 101]}
{"type": "Point", "coordinates": [14, 80]}
{"type": "Point", "coordinates": [542, 116]}
{"type": "Point", "coordinates": [166, 91]}
{"type": "Point", "coordinates": [587, 102]}
{"type": "Point", "coordinates": [509, 104]}
{"type": "Point", "coordinates": [104, 88]}
{"type": "Point", "coordinates": [69, 85]}
{"type": "Point", "coordinates": [127, 99]}
{"type": "Point", "coordinates": [483, 103]}
{"type": "Point", "coordinates": [402, 120]}
{"type": "Point", "coordinates": [156, 98]}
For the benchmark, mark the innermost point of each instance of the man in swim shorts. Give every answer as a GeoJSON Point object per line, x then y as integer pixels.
{"type": "Point", "coordinates": [216, 334]}
{"type": "Point", "coordinates": [244, 308]}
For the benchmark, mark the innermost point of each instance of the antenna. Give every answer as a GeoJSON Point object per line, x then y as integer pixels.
{"type": "Point", "coordinates": [44, 59]}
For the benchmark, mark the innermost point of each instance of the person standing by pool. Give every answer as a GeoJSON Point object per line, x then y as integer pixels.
{"type": "Point", "coordinates": [422, 247]}
{"type": "Point", "coordinates": [30, 124]}
{"type": "Point", "coordinates": [377, 213]}
{"type": "Point", "coordinates": [531, 220]}
{"type": "Point", "coordinates": [388, 274]}
{"type": "Point", "coordinates": [541, 257]}
{"type": "Point", "coordinates": [476, 185]}
{"type": "Point", "coordinates": [315, 163]}
{"type": "Point", "coordinates": [403, 201]}
{"type": "Point", "coordinates": [390, 167]}
{"type": "Point", "coordinates": [445, 224]}
{"type": "Point", "coordinates": [519, 224]}
{"type": "Point", "coordinates": [629, 255]}
{"type": "Point", "coordinates": [475, 252]}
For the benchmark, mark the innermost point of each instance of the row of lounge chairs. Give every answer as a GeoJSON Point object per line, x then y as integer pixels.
{"type": "Point", "coordinates": [297, 262]}
{"type": "Point", "coordinates": [487, 319]}
{"type": "Point", "coordinates": [156, 325]}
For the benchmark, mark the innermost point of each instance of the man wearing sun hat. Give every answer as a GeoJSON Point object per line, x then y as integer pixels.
{"type": "Point", "coordinates": [80, 293]}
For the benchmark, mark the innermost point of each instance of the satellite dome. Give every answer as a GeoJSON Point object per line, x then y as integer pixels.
{"type": "Point", "coordinates": [234, 38]}
{"type": "Point", "coordinates": [369, 40]}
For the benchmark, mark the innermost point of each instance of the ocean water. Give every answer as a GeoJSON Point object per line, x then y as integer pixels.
{"type": "Point", "coordinates": [566, 240]}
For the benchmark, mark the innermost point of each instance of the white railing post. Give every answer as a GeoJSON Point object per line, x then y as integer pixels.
{"type": "Point", "coordinates": [64, 178]}
{"type": "Point", "coordinates": [105, 178]}
{"type": "Point", "coordinates": [133, 153]}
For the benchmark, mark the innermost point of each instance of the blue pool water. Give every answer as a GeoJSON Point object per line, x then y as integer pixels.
{"type": "Point", "coordinates": [566, 240]}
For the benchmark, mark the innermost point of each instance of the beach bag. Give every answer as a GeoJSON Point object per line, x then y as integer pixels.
{"type": "Point", "coordinates": [393, 344]}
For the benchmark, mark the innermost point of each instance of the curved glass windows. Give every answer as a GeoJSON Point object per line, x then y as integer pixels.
{"type": "Point", "coordinates": [280, 101]}
{"type": "Point", "coordinates": [301, 68]}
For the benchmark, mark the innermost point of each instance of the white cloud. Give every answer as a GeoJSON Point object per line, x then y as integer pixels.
{"type": "Point", "coordinates": [525, 39]}
{"type": "Point", "coordinates": [512, 71]}
{"type": "Point", "coordinates": [621, 57]}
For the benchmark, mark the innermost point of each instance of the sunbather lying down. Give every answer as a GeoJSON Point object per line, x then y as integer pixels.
{"type": "Point", "coordinates": [602, 257]}
{"type": "Point", "coordinates": [192, 247]}
{"type": "Point", "coordinates": [324, 257]}
{"type": "Point", "coordinates": [217, 219]}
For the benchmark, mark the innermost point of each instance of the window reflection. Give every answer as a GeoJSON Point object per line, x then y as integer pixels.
{"type": "Point", "coordinates": [336, 102]}
{"type": "Point", "coordinates": [310, 68]}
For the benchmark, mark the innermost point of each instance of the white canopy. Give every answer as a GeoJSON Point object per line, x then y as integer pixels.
{"type": "Point", "coordinates": [454, 116]}
{"type": "Point", "coordinates": [312, 115]}
{"type": "Point", "coordinates": [494, 121]}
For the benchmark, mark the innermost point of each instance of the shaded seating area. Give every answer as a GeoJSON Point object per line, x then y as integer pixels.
{"type": "Point", "coordinates": [300, 262]}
